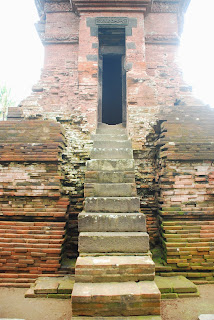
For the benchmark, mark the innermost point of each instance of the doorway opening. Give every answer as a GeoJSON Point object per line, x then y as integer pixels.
{"type": "Point", "coordinates": [112, 93]}
{"type": "Point", "coordinates": [112, 89]}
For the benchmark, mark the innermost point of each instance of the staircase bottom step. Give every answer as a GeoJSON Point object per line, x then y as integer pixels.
{"type": "Point", "coordinates": [119, 318]}
{"type": "Point", "coordinates": [116, 299]}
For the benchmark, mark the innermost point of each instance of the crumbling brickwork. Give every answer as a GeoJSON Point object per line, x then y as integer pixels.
{"type": "Point", "coordinates": [185, 178]}
{"type": "Point", "coordinates": [33, 209]}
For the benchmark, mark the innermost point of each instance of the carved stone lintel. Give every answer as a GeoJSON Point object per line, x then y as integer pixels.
{"type": "Point", "coordinates": [162, 39]}
{"type": "Point", "coordinates": [112, 20]}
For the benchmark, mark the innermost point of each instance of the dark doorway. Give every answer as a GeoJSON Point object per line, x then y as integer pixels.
{"type": "Point", "coordinates": [112, 89]}
{"type": "Point", "coordinates": [112, 80]}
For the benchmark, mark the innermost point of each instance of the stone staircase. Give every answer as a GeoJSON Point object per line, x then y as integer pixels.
{"type": "Point", "coordinates": [114, 273]}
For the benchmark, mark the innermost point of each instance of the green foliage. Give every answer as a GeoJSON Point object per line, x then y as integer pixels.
{"type": "Point", "coordinates": [5, 101]}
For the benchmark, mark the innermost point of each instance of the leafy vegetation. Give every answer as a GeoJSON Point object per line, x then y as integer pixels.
{"type": "Point", "coordinates": [5, 101]}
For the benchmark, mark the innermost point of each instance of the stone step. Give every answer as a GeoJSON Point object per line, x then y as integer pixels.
{"type": "Point", "coordinates": [120, 318]}
{"type": "Point", "coordinates": [111, 130]}
{"type": "Point", "coordinates": [116, 299]}
{"type": "Point", "coordinates": [110, 165]}
{"type": "Point", "coordinates": [110, 190]}
{"type": "Point", "coordinates": [109, 137]}
{"type": "Point", "coordinates": [111, 153]}
{"type": "Point", "coordinates": [122, 222]}
{"type": "Point", "coordinates": [114, 269]}
{"type": "Point", "coordinates": [109, 177]}
{"type": "Point", "coordinates": [112, 204]}
{"type": "Point", "coordinates": [112, 144]}
{"type": "Point", "coordinates": [106, 125]}
{"type": "Point", "coordinates": [112, 242]}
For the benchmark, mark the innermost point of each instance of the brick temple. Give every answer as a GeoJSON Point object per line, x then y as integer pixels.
{"type": "Point", "coordinates": [111, 139]}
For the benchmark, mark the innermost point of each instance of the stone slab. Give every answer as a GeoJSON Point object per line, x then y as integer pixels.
{"type": "Point", "coordinates": [98, 222]}
{"type": "Point", "coordinates": [108, 137]}
{"type": "Point", "coordinates": [110, 177]}
{"type": "Point", "coordinates": [118, 261]}
{"type": "Point", "coordinates": [110, 165]}
{"type": "Point", "coordinates": [46, 285]}
{"type": "Point", "coordinates": [112, 144]}
{"type": "Point", "coordinates": [111, 153]}
{"type": "Point", "coordinates": [176, 284]}
{"type": "Point", "coordinates": [110, 190]}
{"type": "Point", "coordinates": [111, 129]}
{"type": "Point", "coordinates": [206, 317]}
{"type": "Point", "coordinates": [30, 292]}
{"type": "Point", "coordinates": [169, 295]}
{"type": "Point", "coordinates": [59, 296]}
{"type": "Point", "coordinates": [66, 285]}
{"type": "Point", "coordinates": [113, 242]}
{"type": "Point", "coordinates": [112, 204]}
{"type": "Point", "coordinates": [188, 295]}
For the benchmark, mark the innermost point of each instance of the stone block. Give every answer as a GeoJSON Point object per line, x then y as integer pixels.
{"type": "Point", "coordinates": [112, 144]}
{"type": "Point", "coordinates": [110, 165]}
{"type": "Point", "coordinates": [121, 242]}
{"type": "Point", "coordinates": [109, 137]}
{"type": "Point", "coordinates": [112, 204]}
{"type": "Point", "coordinates": [101, 222]}
{"type": "Point", "coordinates": [111, 153]}
{"type": "Point", "coordinates": [110, 177]}
{"type": "Point", "coordinates": [110, 190]}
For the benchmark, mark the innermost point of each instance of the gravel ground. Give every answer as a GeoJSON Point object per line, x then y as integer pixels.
{"type": "Point", "coordinates": [14, 305]}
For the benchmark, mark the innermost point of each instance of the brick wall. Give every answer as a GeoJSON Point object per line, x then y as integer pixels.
{"type": "Point", "coordinates": [185, 176]}
{"type": "Point", "coordinates": [33, 210]}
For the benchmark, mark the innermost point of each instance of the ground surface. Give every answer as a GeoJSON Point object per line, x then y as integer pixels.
{"type": "Point", "coordinates": [14, 305]}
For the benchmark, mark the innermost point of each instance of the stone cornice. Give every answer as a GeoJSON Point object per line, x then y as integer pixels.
{"type": "Point", "coordinates": [115, 5]}
{"type": "Point", "coordinates": [110, 5]}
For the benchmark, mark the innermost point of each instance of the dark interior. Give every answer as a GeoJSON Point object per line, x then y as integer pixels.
{"type": "Point", "coordinates": [112, 90]}
{"type": "Point", "coordinates": [112, 50]}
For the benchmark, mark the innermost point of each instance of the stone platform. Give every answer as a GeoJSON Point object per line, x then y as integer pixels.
{"type": "Point", "coordinates": [176, 287]}
{"type": "Point", "coordinates": [51, 287]}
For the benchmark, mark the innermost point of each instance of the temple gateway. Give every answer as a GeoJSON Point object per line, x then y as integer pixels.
{"type": "Point", "coordinates": [109, 159]}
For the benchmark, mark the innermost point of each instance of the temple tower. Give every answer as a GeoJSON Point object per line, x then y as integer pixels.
{"type": "Point", "coordinates": [108, 63]}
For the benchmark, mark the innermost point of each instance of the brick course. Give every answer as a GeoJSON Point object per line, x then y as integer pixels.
{"type": "Point", "coordinates": [32, 207]}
